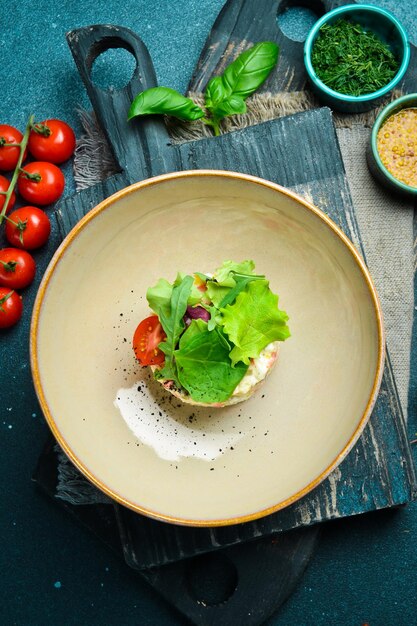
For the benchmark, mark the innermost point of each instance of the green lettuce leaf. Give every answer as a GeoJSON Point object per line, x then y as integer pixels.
{"type": "Point", "coordinates": [222, 273]}
{"type": "Point", "coordinates": [159, 296]}
{"type": "Point", "coordinates": [195, 328]}
{"type": "Point", "coordinates": [216, 293]}
{"type": "Point", "coordinates": [254, 321]}
{"type": "Point", "coordinates": [204, 366]}
{"type": "Point", "coordinates": [224, 279]}
{"type": "Point", "coordinates": [173, 325]}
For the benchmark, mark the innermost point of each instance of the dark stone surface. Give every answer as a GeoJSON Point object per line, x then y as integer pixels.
{"type": "Point", "coordinates": [53, 571]}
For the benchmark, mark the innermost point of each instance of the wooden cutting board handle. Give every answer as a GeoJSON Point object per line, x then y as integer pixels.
{"type": "Point", "coordinates": [241, 24]}
{"type": "Point", "coordinates": [136, 143]}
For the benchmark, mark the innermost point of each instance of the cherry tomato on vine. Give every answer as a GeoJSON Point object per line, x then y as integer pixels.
{"type": "Point", "coordinates": [52, 140]}
{"type": "Point", "coordinates": [11, 307]}
{"type": "Point", "coordinates": [4, 185]}
{"type": "Point", "coordinates": [9, 155]}
{"type": "Point", "coordinates": [28, 227]}
{"type": "Point", "coordinates": [17, 268]}
{"type": "Point", "coordinates": [41, 182]}
{"type": "Point", "coordinates": [147, 336]}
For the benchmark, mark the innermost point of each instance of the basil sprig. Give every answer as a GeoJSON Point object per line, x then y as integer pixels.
{"type": "Point", "coordinates": [225, 95]}
{"type": "Point", "coordinates": [173, 324]}
{"type": "Point", "coordinates": [164, 100]}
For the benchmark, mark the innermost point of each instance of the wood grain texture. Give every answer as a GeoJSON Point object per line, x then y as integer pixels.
{"type": "Point", "coordinates": [241, 23]}
{"type": "Point", "coordinates": [379, 472]}
{"type": "Point", "coordinates": [214, 588]}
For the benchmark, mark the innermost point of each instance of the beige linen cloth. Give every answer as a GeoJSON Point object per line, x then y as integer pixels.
{"type": "Point", "coordinates": [385, 222]}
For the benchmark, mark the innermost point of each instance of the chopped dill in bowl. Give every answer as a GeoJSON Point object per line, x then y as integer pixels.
{"type": "Point", "coordinates": [352, 60]}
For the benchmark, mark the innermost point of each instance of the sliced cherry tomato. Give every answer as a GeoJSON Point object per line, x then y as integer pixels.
{"type": "Point", "coordinates": [41, 182]}
{"type": "Point", "coordinates": [52, 140]}
{"type": "Point", "coordinates": [17, 268]}
{"type": "Point", "coordinates": [146, 339]}
{"type": "Point", "coordinates": [4, 185]}
{"type": "Point", "coordinates": [28, 228]}
{"type": "Point", "coordinates": [9, 155]}
{"type": "Point", "coordinates": [11, 307]}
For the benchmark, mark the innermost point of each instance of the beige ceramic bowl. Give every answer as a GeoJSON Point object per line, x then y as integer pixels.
{"type": "Point", "coordinates": [136, 442]}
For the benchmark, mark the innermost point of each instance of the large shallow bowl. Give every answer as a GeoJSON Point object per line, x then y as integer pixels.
{"type": "Point", "coordinates": [132, 439]}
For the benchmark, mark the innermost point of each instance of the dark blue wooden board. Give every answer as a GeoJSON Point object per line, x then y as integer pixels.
{"type": "Point", "coordinates": [379, 472]}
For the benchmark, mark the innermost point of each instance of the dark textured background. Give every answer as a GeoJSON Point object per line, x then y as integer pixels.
{"type": "Point", "coordinates": [53, 572]}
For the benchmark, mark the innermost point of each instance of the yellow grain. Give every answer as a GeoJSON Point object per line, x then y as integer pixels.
{"type": "Point", "coordinates": [395, 138]}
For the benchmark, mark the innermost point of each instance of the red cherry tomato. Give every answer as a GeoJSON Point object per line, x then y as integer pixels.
{"type": "Point", "coordinates": [4, 185]}
{"type": "Point", "coordinates": [44, 184]}
{"type": "Point", "coordinates": [52, 140]}
{"type": "Point", "coordinates": [146, 339]}
{"type": "Point", "coordinates": [17, 268]}
{"type": "Point", "coordinates": [9, 155]}
{"type": "Point", "coordinates": [28, 228]}
{"type": "Point", "coordinates": [11, 307]}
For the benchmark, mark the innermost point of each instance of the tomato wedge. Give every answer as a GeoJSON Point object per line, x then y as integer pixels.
{"type": "Point", "coordinates": [146, 339]}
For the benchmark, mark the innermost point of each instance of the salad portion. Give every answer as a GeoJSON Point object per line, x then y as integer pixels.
{"type": "Point", "coordinates": [212, 337]}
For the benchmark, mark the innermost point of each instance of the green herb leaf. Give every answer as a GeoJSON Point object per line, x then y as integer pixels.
{"type": "Point", "coordinates": [215, 92]}
{"type": "Point", "coordinates": [241, 282]}
{"type": "Point", "coordinates": [224, 280]}
{"type": "Point", "coordinates": [254, 321]}
{"type": "Point", "coordinates": [173, 324]}
{"type": "Point", "coordinates": [195, 328]}
{"type": "Point", "coordinates": [220, 101]}
{"type": "Point", "coordinates": [159, 296]}
{"type": "Point", "coordinates": [250, 69]}
{"type": "Point", "coordinates": [204, 366]}
{"type": "Point", "coordinates": [226, 94]}
{"type": "Point", "coordinates": [166, 101]}
{"type": "Point", "coordinates": [222, 273]}
{"type": "Point", "coordinates": [233, 105]}
{"type": "Point", "coordinates": [351, 59]}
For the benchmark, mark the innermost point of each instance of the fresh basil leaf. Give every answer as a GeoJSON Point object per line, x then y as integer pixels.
{"type": "Point", "coordinates": [254, 321]}
{"type": "Point", "coordinates": [220, 101]}
{"type": "Point", "coordinates": [250, 69]}
{"type": "Point", "coordinates": [215, 92]}
{"type": "Point", "coordinates": [166, 101]}
{"type": "Point", "coordinates": [204, 366]}
{"type": "Point", "coordinates": [233, 105]}
{"type": "Point", "coordinates": [173, 325]}
{"type": "Point", "coordinates": [226, 94]}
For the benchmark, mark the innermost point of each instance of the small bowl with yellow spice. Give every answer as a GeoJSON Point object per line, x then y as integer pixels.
{"type": "Point", "coordinates": [392, 150]}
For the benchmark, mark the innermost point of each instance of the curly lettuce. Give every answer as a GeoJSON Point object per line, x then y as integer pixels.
{"type": "Point", "coordinates": [253, 321]}
{"type": "Point", "coordinates": [209, 359]}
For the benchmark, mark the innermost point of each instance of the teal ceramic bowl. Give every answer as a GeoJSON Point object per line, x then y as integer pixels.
{"type": "Point", "coordinates": [387, 27]}
{"type": "Point", "coordinates": [376, 167]}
